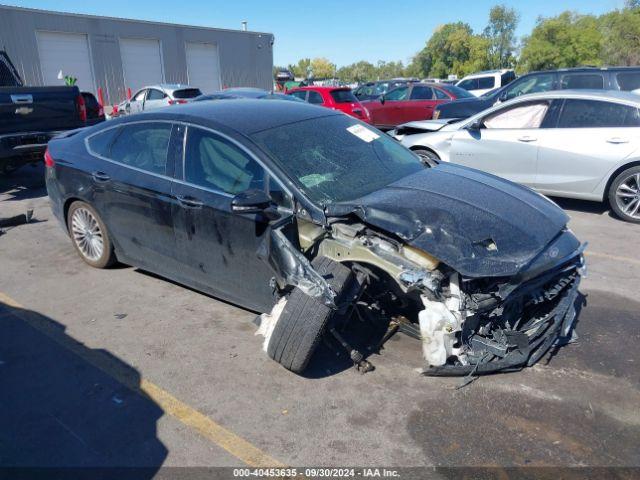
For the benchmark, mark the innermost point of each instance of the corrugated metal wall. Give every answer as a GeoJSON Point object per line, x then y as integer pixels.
{"type": "Point", "coordinates": [246, 58]}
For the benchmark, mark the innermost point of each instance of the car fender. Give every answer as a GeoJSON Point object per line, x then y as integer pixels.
{"type": "Point", "coordinates": [628, 162]}
{"type": "Point", "coordinates": [438, 142]}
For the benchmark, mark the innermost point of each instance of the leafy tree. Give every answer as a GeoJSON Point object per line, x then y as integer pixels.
{"type": "Point", "coordinates": [322, 68]}
{"type": "Point", "coordinates": [361, 71]}
{"type": "Point", "coordinates": [621, 37]}
{"type": "Point", "coordinates": [501, 33]}
{"type": "Point", "coordinates": [300, 69]}
{"type": "Point", "coordinates": [568, 40]}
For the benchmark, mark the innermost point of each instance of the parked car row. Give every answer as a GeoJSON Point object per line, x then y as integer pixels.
{"type": "Point", "coordinates": [567, 143]}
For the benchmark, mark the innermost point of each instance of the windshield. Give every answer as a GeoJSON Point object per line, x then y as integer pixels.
{"type": "Point", "coordinates": [337, 158]}
{"type": "Point", "coordinates": [457, 91]}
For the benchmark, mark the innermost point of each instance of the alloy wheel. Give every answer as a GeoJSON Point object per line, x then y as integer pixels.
{"type": "Point", "coordinates": [87, 234]}
{"type": "Point", "coordinates": [628, 196]}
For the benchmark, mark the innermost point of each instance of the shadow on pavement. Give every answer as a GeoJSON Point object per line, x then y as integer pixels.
{"type": "Point", "coordinates": [23, 184]}
{"type": "Point", "coordinates": [62, 415]}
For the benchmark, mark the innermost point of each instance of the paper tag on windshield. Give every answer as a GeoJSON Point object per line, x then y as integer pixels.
{"type": "Point", "coordinates": [363, 133]}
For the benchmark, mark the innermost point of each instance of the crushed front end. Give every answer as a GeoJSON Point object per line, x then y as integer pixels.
{"type": "Point", "coordinates": [494, 325]}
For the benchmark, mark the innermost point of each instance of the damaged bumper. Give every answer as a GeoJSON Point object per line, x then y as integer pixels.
{"type": "Point", "coordinates": [501, 335]}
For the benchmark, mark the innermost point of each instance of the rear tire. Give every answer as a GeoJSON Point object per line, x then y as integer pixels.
{"type": "Point", "coordinates": [89, 235]}
{"type": "Point", "coordinates": [624, 195]}
{"type": "Point", "coordinates": [429, 158]}
{"type": "Point", "coordinates": [303, 321]}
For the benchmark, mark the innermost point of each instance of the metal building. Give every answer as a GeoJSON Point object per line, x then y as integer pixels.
{"type": "Point", "coordinates": [116, 54]}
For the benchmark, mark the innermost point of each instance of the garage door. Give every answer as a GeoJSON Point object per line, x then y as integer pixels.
{"type": "Point", "coordinates": [68, 52]}
{"type": "Point", "coordinates": [141, 62]}
{"type": "Point", "coordinates": [203, 66]}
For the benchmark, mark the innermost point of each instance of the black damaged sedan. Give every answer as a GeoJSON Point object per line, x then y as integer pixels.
{"type": "Point", "coordinates": [316, 219]}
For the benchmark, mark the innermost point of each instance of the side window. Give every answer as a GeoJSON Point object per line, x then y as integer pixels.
{"type": "Point", "coordinates": [486, 83]}
{"type": "Point", "coordinates": [628, 80]}
{"type": "Point", "coordinates": [214, 162]}
{"type": "Point", "coordinates": [469, 84]}
{"type": "Point", "coordinates": [100, 144]}
{"type": "Point", "coordinates": [143, 146]}
{"type": "Point", "coordinates": [440, 95]}
{"type": "Point", "coordinates": [397, 94]}
{"type": "Point", "coordinates": [529, 84]}
{"type": "Point", "coordinates": [507, 77]}
{"type": "Point", "coordinates": [315, 98]}
{"type": "Point", "coordinates": [528, 115]}
{"type": "Point", "coordinates": [155, 94]}
{"type": "Point", "coordinates": [139, 97]}
{"type": "Point", "coordinates": [594, 114]}
{"type": "Point", "coordinates": [421, 93]}
{"type": "Point", "coordinates": [591, 81]}
{"type": "Point", "coordinates": [301, 94]}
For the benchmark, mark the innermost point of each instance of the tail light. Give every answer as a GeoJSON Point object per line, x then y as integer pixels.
{"type": "Point", "coordinates": [177, 102]}
{"type": "Point", "coordinates": [48, 159]}
{"type": "Point", "coordinates": [82, 108]}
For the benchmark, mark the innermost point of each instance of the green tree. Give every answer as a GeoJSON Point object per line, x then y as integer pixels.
{"type": "Point", "coordinates": [621, 37]}
{"type": "Point", "coordinates": [567, 40]}
{"type": "Point", "coordinates": [300, 69]}
{"type": "Point", "coordinates": [361, 71]}
{"type": "Point", "coordinates": [322, 68]}
{"type": "Point", "coordinates": [501, 33]}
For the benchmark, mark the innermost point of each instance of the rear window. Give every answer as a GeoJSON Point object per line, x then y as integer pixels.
{"type": "Point", "coordinates": [187, 93]}
{"type": "Point", "coordinates": [343, 96]}
{"type": "Point", "coordinates": [457, 91]}
{"type": "Point", "coordinates": [628, 80]}
{"type": "Point", "coordinates": [588, 81]}
{"type": "Point", "coordinates": [597, 114]}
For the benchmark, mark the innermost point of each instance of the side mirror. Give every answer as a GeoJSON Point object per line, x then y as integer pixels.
{"type": "Point", "coordinates": [382, 99]}
{"type": "Point", "coordinates": [251, 201]}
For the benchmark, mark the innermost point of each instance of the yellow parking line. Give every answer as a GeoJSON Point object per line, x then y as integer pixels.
{"type": "Point", "coordinates": [612, 257]}
{"type": "Point", "coordinates": [216, 433]}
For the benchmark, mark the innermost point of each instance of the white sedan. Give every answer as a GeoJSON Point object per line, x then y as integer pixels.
{"type": "Point", "coordinates": [577, 144]}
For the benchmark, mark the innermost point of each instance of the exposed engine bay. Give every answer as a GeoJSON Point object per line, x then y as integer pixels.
{"type": "Point", "coordinates": [467, 325]}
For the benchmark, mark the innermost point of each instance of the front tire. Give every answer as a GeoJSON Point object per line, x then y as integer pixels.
{"type": "Point", "coordinates": [304, 319]}
{"type": "Point", "coordinates": [89, 235]}
{"type": "Point", "coordinates": [624, 195]}
{"type": "Point", "coordinates": [429, 158]}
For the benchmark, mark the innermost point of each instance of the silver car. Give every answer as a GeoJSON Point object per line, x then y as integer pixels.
{"type": "Point", "coordinates": [161, 95]}
{"type": "Point", "coordinates": [577, 144]}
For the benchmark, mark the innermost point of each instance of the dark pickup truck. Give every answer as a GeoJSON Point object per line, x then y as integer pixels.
{"type": "Point", "coordinates": [31, 116]}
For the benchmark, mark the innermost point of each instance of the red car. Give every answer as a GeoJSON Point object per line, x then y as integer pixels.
{"type": "Point", "coordinates": [337, 98]}
{"type": "Point", "coordinates": [415, 101]}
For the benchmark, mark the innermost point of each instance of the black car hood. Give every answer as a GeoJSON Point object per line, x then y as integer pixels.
{"type": "Point", "coordinates": [476, 223]}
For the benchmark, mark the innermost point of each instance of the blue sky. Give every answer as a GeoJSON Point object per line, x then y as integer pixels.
{"type": "Point", "coordinates": [343, 31]}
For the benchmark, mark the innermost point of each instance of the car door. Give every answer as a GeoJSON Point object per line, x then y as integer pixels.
{"type": "Point", "coordinates": [155, 99]}
{"type": "Point", "coordinates": [136, 104]}
{"type": "Point", "coordinates": [420, 106]}
{"type": "Point", "coordinates": [590, 139]}
{"type": "Point", "coordinates": [385, 111]}
{"type": "Point", "coordinates": [503, 142]}
{"type": "Point", "coordinates": [132, 191]}
{"type": "Point", "coordinates": [219, 247]}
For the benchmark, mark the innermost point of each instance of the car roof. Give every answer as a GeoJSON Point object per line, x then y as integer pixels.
{"type": "Point", "coordinates": [245, 116]}
{"type": "Point", "coordinates": [609, 95]}
{"type": "Point", "coordinates": [586, 69]}
{"type": "Point", "coordinates": [168, 87]}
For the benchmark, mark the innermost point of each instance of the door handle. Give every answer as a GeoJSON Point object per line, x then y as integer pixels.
{"type": "Point", "coordinates": [527, 138]}
{"type": "Point", "coordinates": [617, 140]}
{"type": "Point", "coordinates": [100, 177]}
{"type": "Point", "coordinates": [189, 202]}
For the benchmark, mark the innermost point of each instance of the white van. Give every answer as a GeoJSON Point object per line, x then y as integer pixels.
{"type": "Point", "coordinates": [483, 82]}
